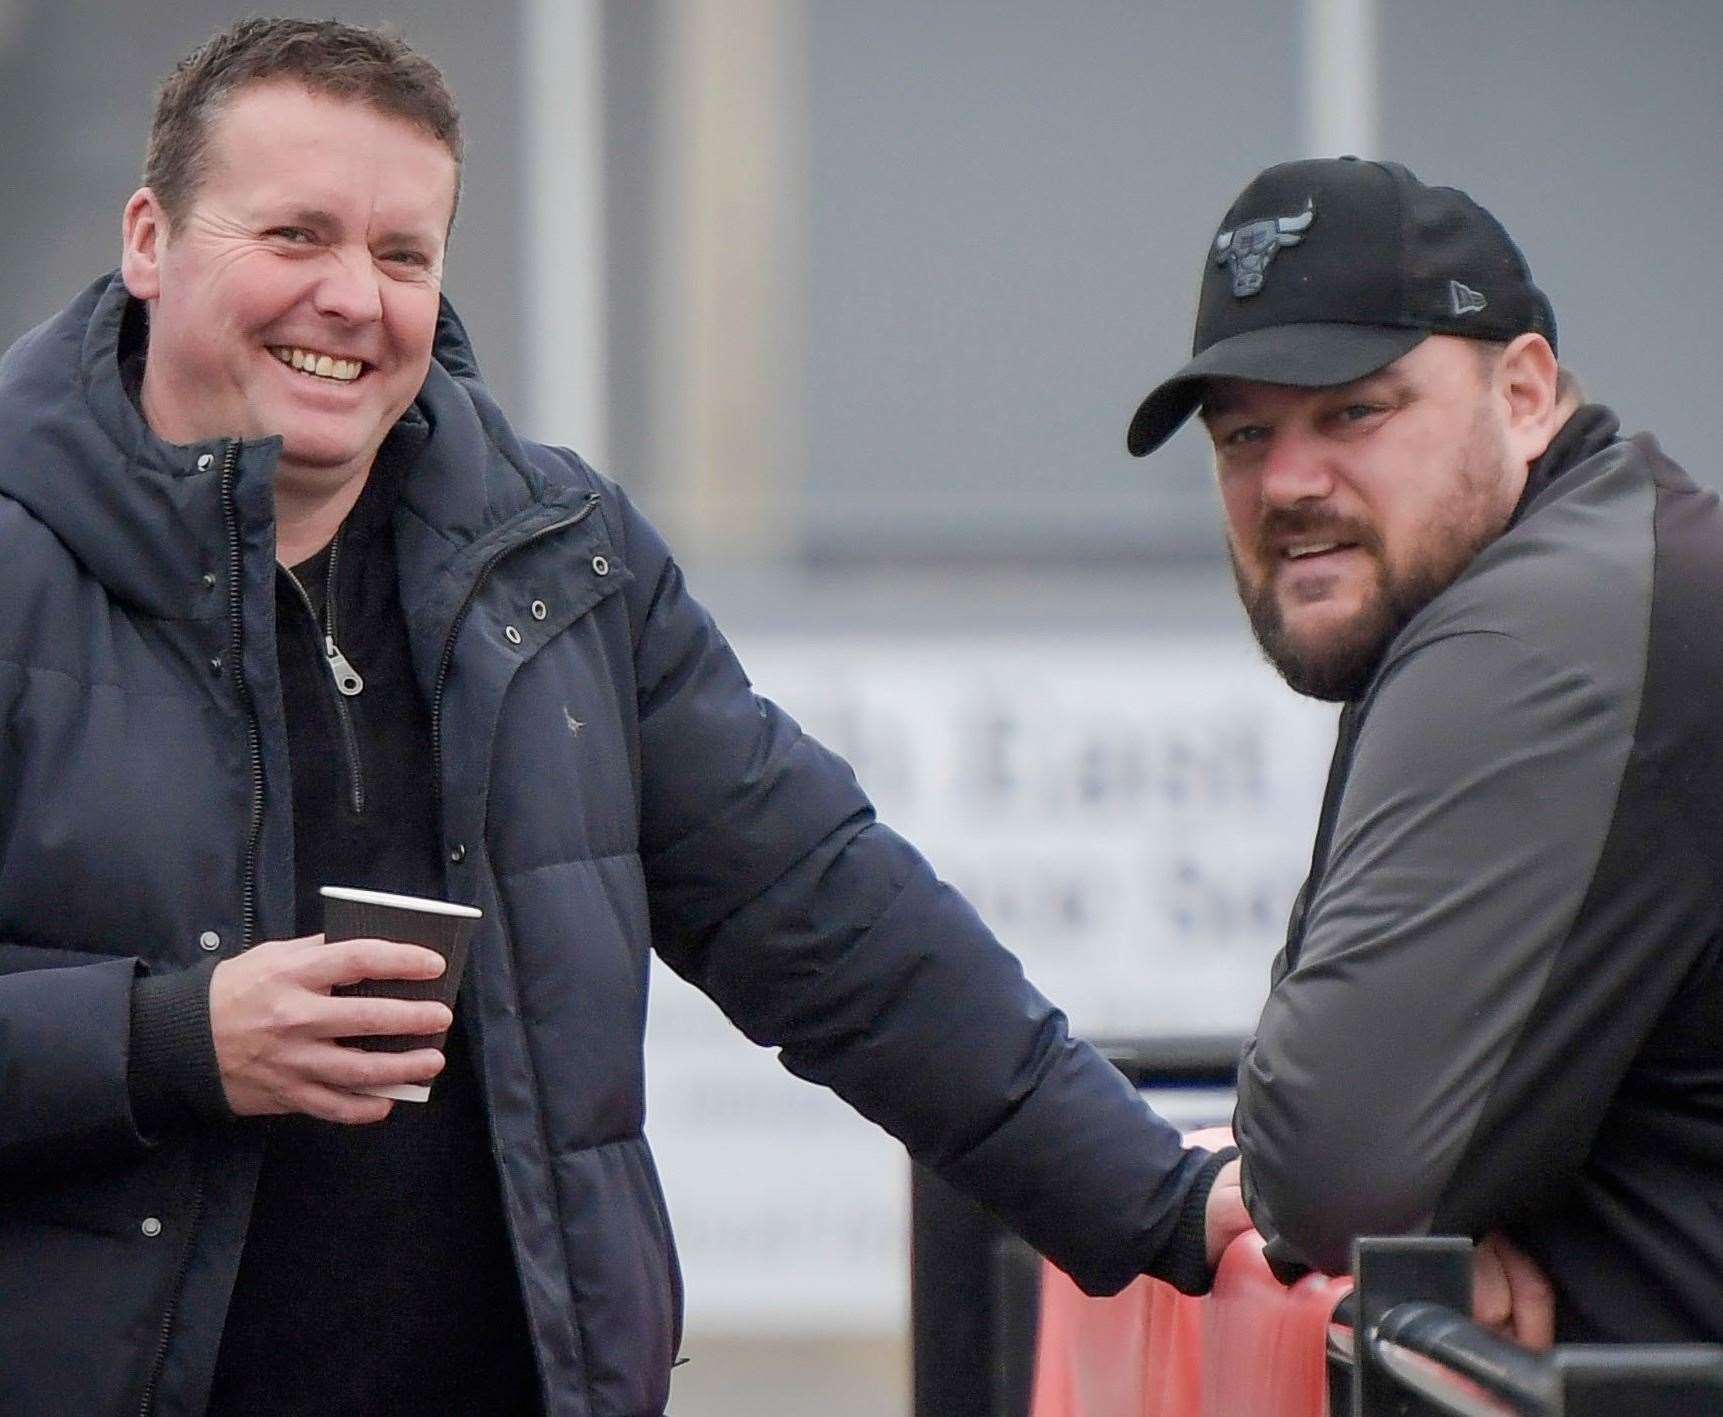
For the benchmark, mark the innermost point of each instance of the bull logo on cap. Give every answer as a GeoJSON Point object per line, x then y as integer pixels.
{"type": "Point", "coordinates": [1249, 248]}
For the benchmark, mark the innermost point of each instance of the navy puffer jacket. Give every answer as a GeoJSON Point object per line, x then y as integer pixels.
{"type": "Point", "coordinates": [145, 826]}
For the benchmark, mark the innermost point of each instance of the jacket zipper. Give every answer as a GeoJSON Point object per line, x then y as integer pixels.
{"type": "Point", "coordinates": [253, 736]}
{"type": "Point", "coordinates": [348, 683]}
{"type": "Point", "coordinates": [248, 883]}
{"type": "Point", "coordinates": [347, 678]}
{"type": "Point", "coordinates": [192, 1220]}
{"type": "Point", "coordinates": [443, 664]}
{"type": "Point", "coordinates": [461, 619]}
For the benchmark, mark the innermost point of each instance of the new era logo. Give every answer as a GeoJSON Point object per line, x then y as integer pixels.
{"type": "Point", "coordinates": [1464, 299]}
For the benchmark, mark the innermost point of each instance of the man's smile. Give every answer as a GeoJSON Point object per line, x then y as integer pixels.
{"type": "Point", "coordinates": [319, 365]}
{"type": "Point", "coordinates": [1302, 558]}
{"type": "Point", "coordinates": [1301, 550]}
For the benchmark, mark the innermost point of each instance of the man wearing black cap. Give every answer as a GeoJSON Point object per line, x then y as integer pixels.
{"type": "Point", "coordinates": [1499, 1001]}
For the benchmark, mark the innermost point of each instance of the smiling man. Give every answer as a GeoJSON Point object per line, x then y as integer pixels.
{"type": "Point", "coordinates": [293, 287]}
{"type": "Point", "coordinates": [290, 604]}
{"type": "Point", "coordinates": [1498, 1003]}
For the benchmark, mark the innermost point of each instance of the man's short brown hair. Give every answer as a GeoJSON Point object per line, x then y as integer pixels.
{"type": "Point", "coordinates": [370, 66]}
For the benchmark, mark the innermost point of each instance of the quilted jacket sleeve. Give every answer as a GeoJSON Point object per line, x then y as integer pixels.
{"type": "Point", "coordinates": [65, 1031]}
{"type": "Point", "coordinates": [821, 932]}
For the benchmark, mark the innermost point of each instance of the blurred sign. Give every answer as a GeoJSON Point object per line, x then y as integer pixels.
{"type": "Point", "coordinates": [1132, 816]}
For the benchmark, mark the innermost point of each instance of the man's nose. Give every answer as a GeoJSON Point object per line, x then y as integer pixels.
{"type": "Point", "coordinates": [349, 288]}
{"type": "Point", "coordinates": [1296, 468]}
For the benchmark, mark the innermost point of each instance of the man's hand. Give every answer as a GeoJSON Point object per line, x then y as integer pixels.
{"type": "Point", "coordinates": [1510, 1295]}
{"type": "Point", "coordinates": [1225, 1217]}
{"type": "Point", "coordinates": [276, 1026]}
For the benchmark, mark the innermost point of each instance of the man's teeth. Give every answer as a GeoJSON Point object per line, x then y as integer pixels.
{"type": "Point", "coordinates": [1310, 548]}
{"type": "Point", "coordinates": [325, 366]}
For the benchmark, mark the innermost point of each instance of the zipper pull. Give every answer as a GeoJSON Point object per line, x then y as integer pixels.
{"type": "Point", "coordinates": [347, 678]}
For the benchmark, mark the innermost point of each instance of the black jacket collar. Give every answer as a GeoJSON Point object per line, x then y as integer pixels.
{"type": "Point", "coordinates": [1588, 431]}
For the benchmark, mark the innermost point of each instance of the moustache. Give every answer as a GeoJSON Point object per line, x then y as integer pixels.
{"type": "Point", "coordinates": [1280, 525]}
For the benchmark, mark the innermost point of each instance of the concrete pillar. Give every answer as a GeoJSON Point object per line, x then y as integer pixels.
{"type": "Point", "coordinates": [726, 437]}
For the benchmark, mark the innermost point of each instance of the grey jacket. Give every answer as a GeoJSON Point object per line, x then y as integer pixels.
{"type": "Point", "coordinates": [1501, 1003]}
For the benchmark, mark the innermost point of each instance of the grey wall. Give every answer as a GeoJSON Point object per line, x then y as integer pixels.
{"type": "Point", "coordinates": [1591, 128]}
{"type": "Point", "coordinates": [1007, 204]}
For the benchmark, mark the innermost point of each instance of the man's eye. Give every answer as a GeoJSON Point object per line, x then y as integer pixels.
{"type": "Point", "coordinates": [407, 258]}
{"type": "Point", "coordinates": [1359, 412]}
{"type": "Point", "coordinates": [1242, 436]}
{"type": "Point", "coordinates": [298, 236]}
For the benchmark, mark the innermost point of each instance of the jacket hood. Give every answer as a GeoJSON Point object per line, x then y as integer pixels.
{"type": "Point", "coordinates": [80, 459]}
{"type": "Point", "coordinates": [145, 516]}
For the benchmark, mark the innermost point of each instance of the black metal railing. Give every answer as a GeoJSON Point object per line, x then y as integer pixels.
{"type": "Point", "coordinates": [1403, 1345]}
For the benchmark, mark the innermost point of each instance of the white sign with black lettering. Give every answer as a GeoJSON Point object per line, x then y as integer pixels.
{"type": "Point", "coordinates": [1132, 816]}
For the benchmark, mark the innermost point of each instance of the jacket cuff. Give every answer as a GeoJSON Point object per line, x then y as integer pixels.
{"type": "Point", "coordinates": [172, 1073]}
{"type": "Point", "coordinates": [1183, 1260]}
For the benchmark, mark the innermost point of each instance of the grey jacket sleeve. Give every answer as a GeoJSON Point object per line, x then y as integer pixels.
{"type": "Point", "coordinates": [1443, 1049]}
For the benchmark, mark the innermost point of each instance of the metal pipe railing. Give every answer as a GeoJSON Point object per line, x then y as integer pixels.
{"type": "Point", "coordinates": [1414, 1350]}
{"type": "Point", "coordinates": [1448, 1359]}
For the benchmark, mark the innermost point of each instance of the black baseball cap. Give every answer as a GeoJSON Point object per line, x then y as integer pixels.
{"type": "Point", "coordinates": [1329, 269]}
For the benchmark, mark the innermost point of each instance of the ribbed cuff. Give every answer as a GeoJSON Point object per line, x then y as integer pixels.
{"type": "Point", "coordinates": [1183, 1260]}
{"type": "Point", "coordinates": [172, 1074]}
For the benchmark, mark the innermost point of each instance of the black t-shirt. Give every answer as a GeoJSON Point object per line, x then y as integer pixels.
{"type": "Point", "coordinates": [377, 1277]}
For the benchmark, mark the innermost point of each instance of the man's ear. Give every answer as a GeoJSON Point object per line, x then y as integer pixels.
{"type": "Point", "coordinates": [1525, 380]}
{"type": "Point", "coordinates": [143, 234]}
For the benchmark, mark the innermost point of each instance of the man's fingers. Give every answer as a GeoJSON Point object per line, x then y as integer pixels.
{"type": "Point", "coordinates": [1224, 1218]}
{"type": "Point", "coordinates": [1510, 1293]}
{"type": "Point", "coordinates": [353, 1017]}
{"type": "Point", "coordinates": [1492, 1301]}
{"type": "Point", "coordinates": [351, 1068]}
{"type": "Point", "coordinates": [1533, 1296]}
{"type": "Point", "coordinates": [324, 966]}
{"type": "Point", "coordinates": [348, 1108]}
{"type": "Point", "coordinates": [276, 1025]}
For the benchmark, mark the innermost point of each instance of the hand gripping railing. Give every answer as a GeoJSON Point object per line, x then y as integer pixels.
{"type": "Point", "coordinates": [1413, 1352]}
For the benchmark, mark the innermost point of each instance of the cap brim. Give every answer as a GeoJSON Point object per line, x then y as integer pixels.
{"type": "Point", "coordinates": [1304, 356]}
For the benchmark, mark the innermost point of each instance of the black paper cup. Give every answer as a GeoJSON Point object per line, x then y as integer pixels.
{"type": "Point", "coordinates": [351, 914]}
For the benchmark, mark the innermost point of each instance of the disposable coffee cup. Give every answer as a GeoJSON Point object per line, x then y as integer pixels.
{"type": "Point", "coordinates": [351, 914]}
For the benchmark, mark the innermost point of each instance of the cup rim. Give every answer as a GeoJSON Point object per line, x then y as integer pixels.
{"type": "Point", "coordinates": [400, 902]}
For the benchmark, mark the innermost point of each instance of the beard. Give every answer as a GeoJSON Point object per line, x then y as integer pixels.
{"type": "Point", "coordinates": [1339, 667]}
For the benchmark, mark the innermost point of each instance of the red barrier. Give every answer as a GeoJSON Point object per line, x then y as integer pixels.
{"type": "Point", "coordinates": [1251, 1348]}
